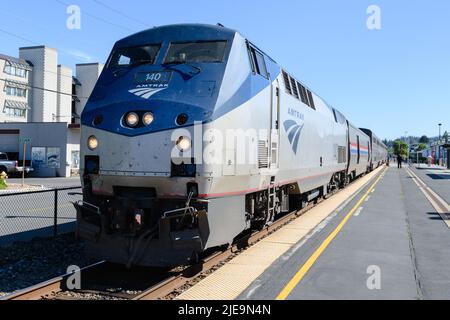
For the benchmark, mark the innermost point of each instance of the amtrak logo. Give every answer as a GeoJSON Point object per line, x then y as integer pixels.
{"type": "Point", "coordinates": [293, 130]}
{"type": "Point", "coordinates": [145, 93]}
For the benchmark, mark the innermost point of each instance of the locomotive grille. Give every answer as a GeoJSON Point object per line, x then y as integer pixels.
{"type": "Point", "coordinates": [287, 83]}
{"type": "Point", "coordinates": [303, 94]}
{"type": "Point", "coordinates": [263, 155]}
{"type": "Point", "coordinates": [294, 88]}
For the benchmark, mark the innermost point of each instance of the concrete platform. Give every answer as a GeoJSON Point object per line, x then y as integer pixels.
{"type": "Point", "coordinates": [386, 241]}
{"type": "Point", "coordinates": [437, 179]}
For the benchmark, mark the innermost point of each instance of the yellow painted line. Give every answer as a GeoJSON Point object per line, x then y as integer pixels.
{"type": "Point", "coordinates": [229, 281]}
{"type": "Point", "coordinates": [311, 261]}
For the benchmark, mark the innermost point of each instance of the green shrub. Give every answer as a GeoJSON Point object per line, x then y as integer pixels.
{"type": "Point", "coordinates": [3, 178]}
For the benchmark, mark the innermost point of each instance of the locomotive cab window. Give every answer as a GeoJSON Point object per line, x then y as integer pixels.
{"type": "Point", "coordinates": [258, 62]}
{"type": "Point", "coordinates": [196, 52]}
{"type": "Point", "coordinates": [132, 56]}
{"type": "Point", "coordinates": [335, 117]}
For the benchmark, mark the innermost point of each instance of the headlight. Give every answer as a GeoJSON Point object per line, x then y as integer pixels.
{"type": "Point", "coordinates": [184, 143]}
{"type": "Point", "coordinates": [132, 119]}
{"type": "Point", "coordinates": [92, 143]}
{"type": "Point", "coordinates": [148, 118]}
{"type": "Point", "coordinates": [182, 119]}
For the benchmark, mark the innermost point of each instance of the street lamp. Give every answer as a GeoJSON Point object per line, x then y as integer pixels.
{"type": "Point", "coordinates": [439, 145]}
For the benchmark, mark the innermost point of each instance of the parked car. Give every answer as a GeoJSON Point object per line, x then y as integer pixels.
{"type": "Point", "coordinates": [11, 167]}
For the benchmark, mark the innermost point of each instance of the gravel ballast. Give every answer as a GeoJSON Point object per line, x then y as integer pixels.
{"type": "Point", "coordinates": [24, 264]}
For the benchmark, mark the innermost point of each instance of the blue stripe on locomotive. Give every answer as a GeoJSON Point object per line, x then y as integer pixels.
{"type": "Point", "coordinates": [362, 152]}
{"type": "Point", "coordinates": [196, 97]}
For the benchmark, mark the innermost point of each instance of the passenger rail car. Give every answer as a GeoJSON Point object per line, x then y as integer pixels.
{"type": "Point", "coordinates": [360, 152]}
{"type": "Point", "coordinates": [379, 151]}
{"type": "Point", "coordinates": [156, 195]}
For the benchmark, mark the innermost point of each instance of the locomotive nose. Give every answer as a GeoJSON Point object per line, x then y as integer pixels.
{"type": "Point", "coordinates": [147, 155]}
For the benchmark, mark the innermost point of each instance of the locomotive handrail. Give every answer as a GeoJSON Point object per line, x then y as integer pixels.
{"type": "Point", "coordinates": [184, 211]}
{"type": "Point", "coordinates": [90, 206]}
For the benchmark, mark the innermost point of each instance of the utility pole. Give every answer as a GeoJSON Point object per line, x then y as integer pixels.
{"type": "Point", "coordinates": [439, 145]}
{"type": "Point", "coordinates": [24, 141]}
{"type": "Point", "coordinates": [406, 141]}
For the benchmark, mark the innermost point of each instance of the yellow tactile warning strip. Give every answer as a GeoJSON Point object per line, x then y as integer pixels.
{"type": "Point", "coordinates": [439, 204]}
{"type": "Point", "coordinates": [236, 276]}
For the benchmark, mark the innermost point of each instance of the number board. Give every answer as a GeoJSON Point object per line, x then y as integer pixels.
{"type": "Point", "coordinates": [153, 78]}
{"type": "Point", "coordinates": [25, 140]}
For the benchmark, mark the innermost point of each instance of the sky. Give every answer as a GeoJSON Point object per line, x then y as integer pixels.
{"type": "Point", "coordinates": [395, 80]}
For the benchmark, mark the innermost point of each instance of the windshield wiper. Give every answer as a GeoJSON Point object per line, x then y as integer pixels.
{"type": "Point", "coordinates": [139, 63]}
{"type": "Point", "coordinates": [186, 70]}
{"type": "Point", "coordinates": [126, 68]}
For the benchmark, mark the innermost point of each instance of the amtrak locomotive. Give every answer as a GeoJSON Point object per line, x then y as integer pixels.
{"type": "Point", "coordinates": [154, 194]}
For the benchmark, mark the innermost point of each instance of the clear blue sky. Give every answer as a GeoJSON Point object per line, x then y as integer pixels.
{"type": "Point", "coordinates": [393, 80]}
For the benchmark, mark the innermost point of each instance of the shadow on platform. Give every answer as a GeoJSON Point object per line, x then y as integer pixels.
{"type": "Point", "coordinates": [42, 233]}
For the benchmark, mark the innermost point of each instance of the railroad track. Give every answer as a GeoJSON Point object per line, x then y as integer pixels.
{"type": "Point", "coordinates": [166, 285]}
{"type": "Point", "coordinates": [46, 288]}
{"type": "Point", "coordinates": [54, 289]}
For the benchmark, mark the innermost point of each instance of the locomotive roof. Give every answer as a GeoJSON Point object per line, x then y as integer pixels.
{"type": "Point", "coordinates": [179, 32]}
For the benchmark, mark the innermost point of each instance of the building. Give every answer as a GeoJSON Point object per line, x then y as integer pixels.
{"type": "Point", "coordinates": [51, 150]}
{"type": "Point", "coordinates": [87, 75]}
{"type": "Point", "coordinates": [15, 76]}
{"type": "Point", "coordinates": [43, 100]}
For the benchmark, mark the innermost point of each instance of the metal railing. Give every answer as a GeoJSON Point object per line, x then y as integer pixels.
{"type": "Point", "coordinates": [40, 213]}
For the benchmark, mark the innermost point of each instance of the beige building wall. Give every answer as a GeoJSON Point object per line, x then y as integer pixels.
{"type": "Point", "coordinates": [88, 75]}
{"type": "Point", "coordinates": [64, 97]}
{"type": "Point", "coordinates": [45, 75]}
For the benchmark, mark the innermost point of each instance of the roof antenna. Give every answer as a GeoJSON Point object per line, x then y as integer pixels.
{"type": "Point", "coordinates": [220, 25]}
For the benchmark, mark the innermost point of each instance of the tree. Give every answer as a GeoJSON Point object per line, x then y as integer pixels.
{"type": "Point", "coordinates": [424, 139]}
{"type": "Point", "coordinates": [421, 147]}
{"type": "Point", "coordinates": [401, 148]}
{"type": "Point", "coordinates": [445, 136]}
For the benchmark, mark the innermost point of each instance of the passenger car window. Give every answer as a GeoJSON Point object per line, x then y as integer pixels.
{"type": "Point", "coordinates": [3, 157]}
{"type": "Point", "coordinates": [196, 52]}
{"type": "Point", "coordinates": [124, 57]}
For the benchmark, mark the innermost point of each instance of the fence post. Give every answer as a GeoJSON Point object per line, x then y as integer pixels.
{"type": "Point", "coordinates": [55, 221]}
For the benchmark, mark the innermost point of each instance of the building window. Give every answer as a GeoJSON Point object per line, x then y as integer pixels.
{"type": "Point", "coordinates": [16, 113]}
{"type": "Point", "coordinates": [16, 92]}
{"type": "Point", "coordinates": [15, 71]}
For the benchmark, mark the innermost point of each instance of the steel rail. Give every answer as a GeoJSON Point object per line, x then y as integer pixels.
{"type": "Point", "coordinates": [47, 288]}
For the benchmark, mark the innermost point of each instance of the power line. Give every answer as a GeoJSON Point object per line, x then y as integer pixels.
{"type": "Point", "coordinates": [36, 43]}
{"type": "Point", "coordinates": [43, 27]}
{"type": "Point", "coordinates": [98, 18]}
{"type": "Point", "coordinates": [48, 90]}
{"type": "Point", "coordinates": [17, 36]}
{"type": "Point", "coordinates": [121, 13]}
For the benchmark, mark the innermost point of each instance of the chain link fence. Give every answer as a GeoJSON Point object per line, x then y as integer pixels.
{"type": "Point", "coordinates": [43, 213]}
